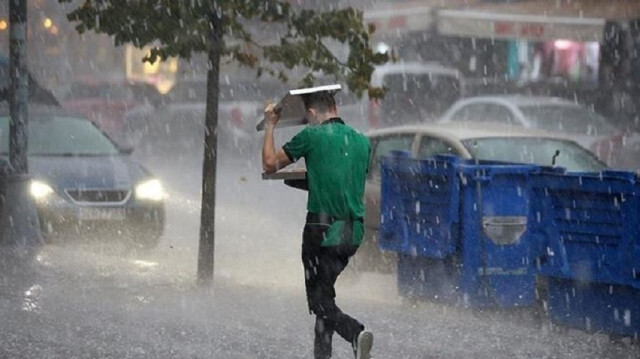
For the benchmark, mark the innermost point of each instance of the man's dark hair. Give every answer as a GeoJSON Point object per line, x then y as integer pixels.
{"type": "Point", "coordinates": [321, 101]}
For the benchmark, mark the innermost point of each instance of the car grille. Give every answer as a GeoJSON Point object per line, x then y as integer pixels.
{"type": "Point", "coordinates": [98, 195]}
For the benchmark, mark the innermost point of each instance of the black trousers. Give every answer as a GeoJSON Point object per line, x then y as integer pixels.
{"type": "Point", "coordinates": [322, 265]}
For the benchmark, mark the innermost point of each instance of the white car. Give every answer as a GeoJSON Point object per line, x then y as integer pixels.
{"type": "Point", "coordinates": [584, 125]}
{"type": "Point", "coordinates": [484, 141]}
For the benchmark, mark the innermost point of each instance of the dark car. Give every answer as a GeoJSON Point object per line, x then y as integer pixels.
{"type": "Point", "coordinates": [83, 183]}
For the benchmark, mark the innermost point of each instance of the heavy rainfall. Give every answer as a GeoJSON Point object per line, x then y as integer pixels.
{"type": "Point", "coordinates": [525, 111]}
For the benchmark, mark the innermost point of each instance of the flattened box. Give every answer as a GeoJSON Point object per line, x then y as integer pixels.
{"type": "Point", "coordinates": [291, 106]}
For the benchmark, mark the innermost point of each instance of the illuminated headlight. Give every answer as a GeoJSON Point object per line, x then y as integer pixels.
{"type": "Point", "coordinates": [40, 190]}
{"type": "Point", "coordinates": [150, 190]}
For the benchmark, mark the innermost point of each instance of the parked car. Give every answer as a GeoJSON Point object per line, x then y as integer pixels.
{"type": "Point", "coordinates": [108, 103]}
{"type": "Point", "coordinates": [178, 125]}
{"type": "Point", "coordinates": [83, 184]}
{"type": "Point", "coordinates": [588, 128]}
{"type": "Point", "coordinates": [484, 141]}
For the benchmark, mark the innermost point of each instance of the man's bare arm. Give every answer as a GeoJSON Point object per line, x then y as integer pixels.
{"type": "Point", "coordinates": [272, 159]}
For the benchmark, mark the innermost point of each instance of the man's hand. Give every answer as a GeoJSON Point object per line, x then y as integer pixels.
{"type": "Point", "coordinates": [272, 114]}
{"type": "Point", "coordinates": [272, 160]}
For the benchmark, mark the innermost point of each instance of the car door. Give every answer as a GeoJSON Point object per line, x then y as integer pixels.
{"type": "Point", "coordinates": [381, 146]}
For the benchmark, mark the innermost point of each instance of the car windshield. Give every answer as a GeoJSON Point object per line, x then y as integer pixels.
{"type": "Point", "coordinates": [573, 119]}
{"type": "Point", "coordinates": [51, 135]}
{"type": "Point", "coordinates": [534, 150]}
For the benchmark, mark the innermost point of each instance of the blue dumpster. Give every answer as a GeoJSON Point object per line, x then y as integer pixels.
{"type": "Point", "coordinates": [458, 227]}
{"type": "Point", "coordinates": [587, 225]}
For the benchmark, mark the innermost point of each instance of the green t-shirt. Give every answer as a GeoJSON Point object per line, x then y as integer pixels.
{"type": "Point", "coordinates": [337, 161]}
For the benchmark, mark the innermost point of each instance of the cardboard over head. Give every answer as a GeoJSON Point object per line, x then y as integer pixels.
{"type": "Point", "coordinates": [291, 106]}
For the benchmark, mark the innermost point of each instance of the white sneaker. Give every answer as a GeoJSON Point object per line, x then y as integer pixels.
{"type": "Point", "coordinates": [364, 344]}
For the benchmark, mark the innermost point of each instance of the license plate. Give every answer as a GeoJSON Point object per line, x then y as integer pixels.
{"type": "Point", "coordinates": [101, 214]}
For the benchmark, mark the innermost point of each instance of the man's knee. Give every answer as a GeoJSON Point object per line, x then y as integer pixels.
{"type": "Point", "coordinates": [325, 309]}
{"type": "Point", "coordinates": [319, 309]}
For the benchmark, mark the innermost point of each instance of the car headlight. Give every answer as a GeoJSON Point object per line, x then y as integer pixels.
{"type": "Point", "coordinates": [40, 190]}
{"type": "Point", "coordinates": [151, 190]}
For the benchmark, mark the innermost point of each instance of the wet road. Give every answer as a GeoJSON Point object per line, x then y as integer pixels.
{"type": "Point", "coordinates": [97, 300]}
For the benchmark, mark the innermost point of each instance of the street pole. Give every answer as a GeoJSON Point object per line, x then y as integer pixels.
{"type": "Point", "coordinates": [209, 164]}
{"type": "Point", "coordinates": [19, 221]}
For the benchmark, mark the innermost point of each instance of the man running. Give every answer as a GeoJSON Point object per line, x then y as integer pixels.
{"type": "Point", "coordinates": [337, 161]}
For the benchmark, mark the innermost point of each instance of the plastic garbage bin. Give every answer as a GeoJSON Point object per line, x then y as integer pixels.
{"type": "Point", "coordinates": [587, 224]}
{"type": "Point", "coordinates": [458, 227]}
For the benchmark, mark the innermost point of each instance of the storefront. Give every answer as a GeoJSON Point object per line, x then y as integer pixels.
{"type": "Point", "coordinates": [552, 38]}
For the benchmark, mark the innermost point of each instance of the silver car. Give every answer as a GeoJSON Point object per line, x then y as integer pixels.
{"type": "Point", "coordinates": [585, 126]}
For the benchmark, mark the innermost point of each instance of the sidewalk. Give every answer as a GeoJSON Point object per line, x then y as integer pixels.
{"type": "Point", "coordinates": [118, 309]}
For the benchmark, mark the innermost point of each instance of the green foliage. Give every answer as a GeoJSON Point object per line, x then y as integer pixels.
{"type": "Point", "coordinates": [181, 28]}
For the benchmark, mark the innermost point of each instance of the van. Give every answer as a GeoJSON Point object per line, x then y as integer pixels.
{"type": "Point", "coordinates": [415, 92]}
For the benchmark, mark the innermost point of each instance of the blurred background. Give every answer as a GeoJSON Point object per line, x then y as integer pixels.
{"type": "Point", "coordinates": [582, 50]}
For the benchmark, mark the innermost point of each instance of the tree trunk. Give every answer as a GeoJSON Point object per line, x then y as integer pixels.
{"type": "Point", "coordinates": [207, 215]}
{"type": "Point", "coordinates": [19, 225]}
{"type": "Point", "coordinates": [19, 92]}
